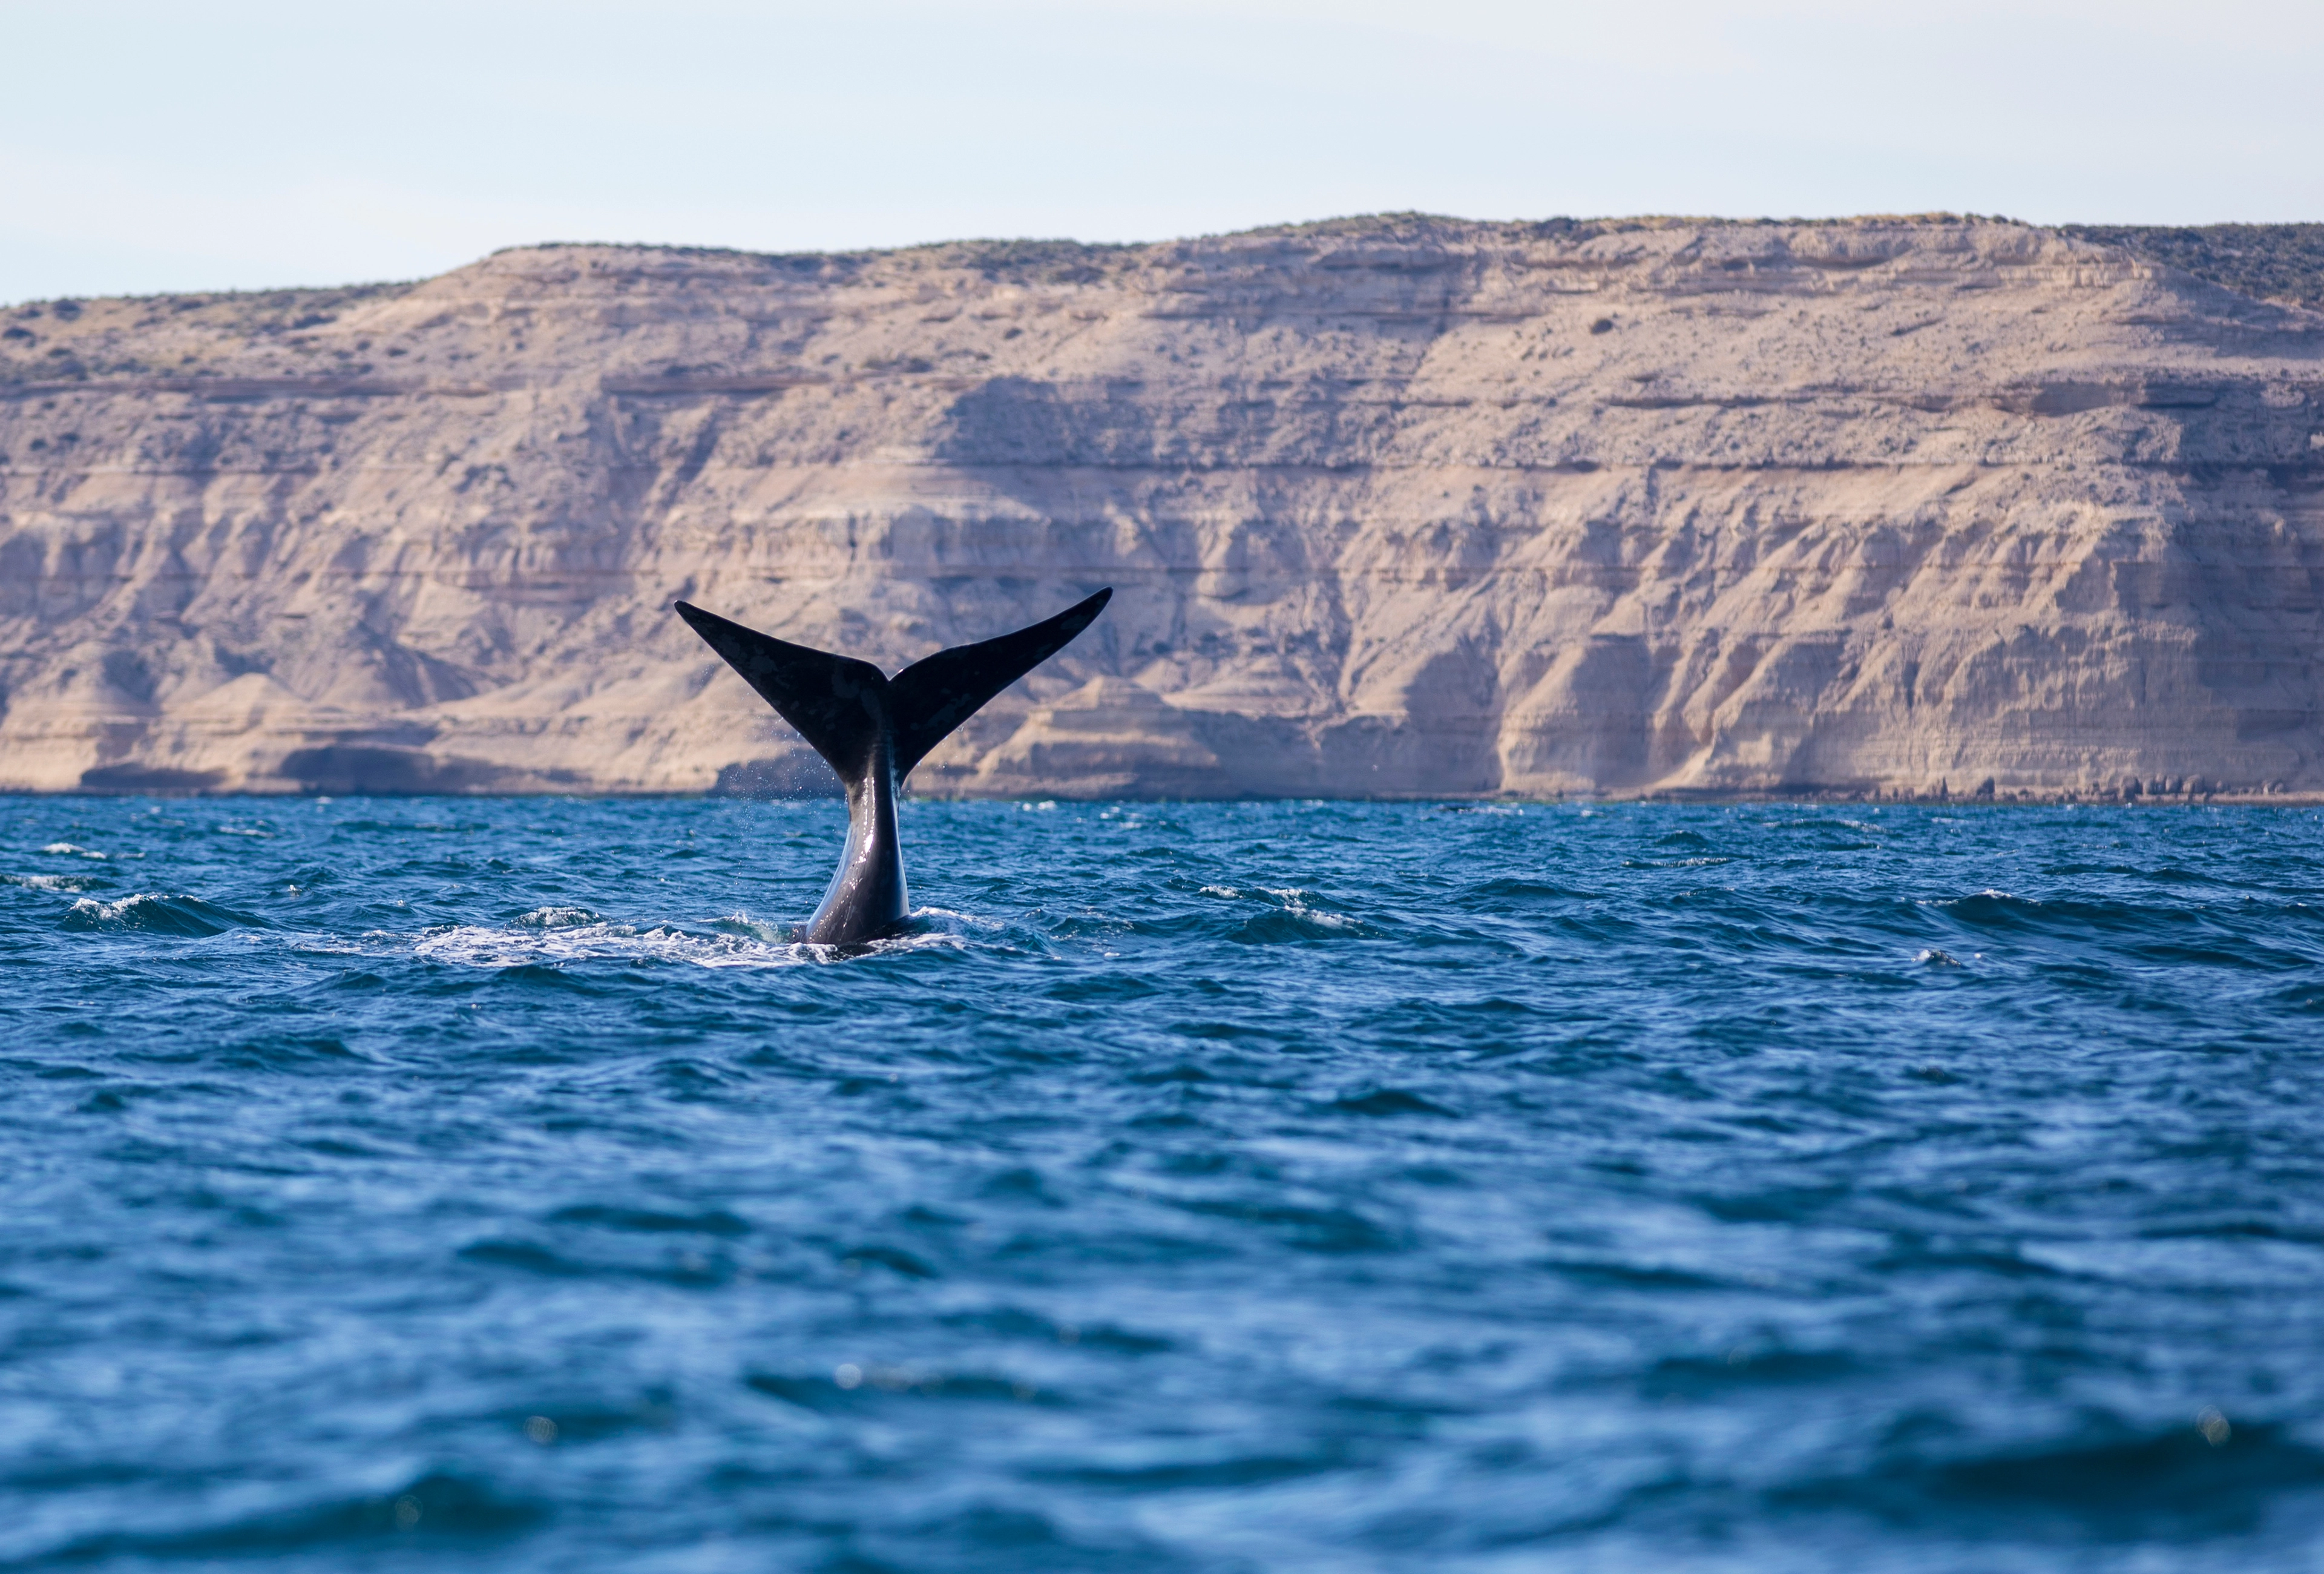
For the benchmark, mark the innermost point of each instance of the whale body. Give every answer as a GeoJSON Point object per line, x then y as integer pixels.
{"type": "Point", "coordinates": [873, 729]}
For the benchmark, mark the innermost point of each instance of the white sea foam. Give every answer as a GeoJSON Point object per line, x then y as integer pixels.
{"type": "Point", "coordinates": [478, 946]}
{"type": "Point", "coordinates": [744, 924]}
{"type": "Point", "coordinates": [739, 942]}
{"type": "Point", "coordinates": [1290, 899]}
{"type": "Point", "coordinates": [67, 850]}
{"type": "Point", "coordinates": [1987, 892]}
{"type": "Point", "coordinates": [49, 882]}
{"type": "Point", "coordinates": [558, 918]}
{"type": "Point", "coordinates": [1320, 918]}
{"type": "Point", "coordinates": [329, 945]}
{"type": "Point", "coordinates": [943, 921]}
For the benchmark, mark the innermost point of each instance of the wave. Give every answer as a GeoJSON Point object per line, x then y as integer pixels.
{"type": "Point", "coordinates": [477, 946]}
{"type": "Point", "coordinates": [558, 918]}
{"type": "Point", "coordinates": [435, 1509]}
{"type": "Point", "coordinates": [2160, 932]}
{"type": "Point", "coordinates": [1285, 915]}
{"type": "Point", "coordinates": [150, 912]}
{"type": "Point", "coordinates": [1776, 1215]}
{"type": "Point", "coordinates": [66, 882]}
{"type": "Point", "coordinates": [557, 935]}
{"type": "Point", "coordinates": [2189, 1480]}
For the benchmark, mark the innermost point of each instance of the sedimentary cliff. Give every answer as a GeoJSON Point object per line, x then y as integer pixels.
{"type": "Point", "coordinates": [1393, 505]}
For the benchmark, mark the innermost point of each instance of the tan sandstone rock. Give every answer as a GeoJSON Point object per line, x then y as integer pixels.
{"type": "Point", "coordinates": [1394, 506]}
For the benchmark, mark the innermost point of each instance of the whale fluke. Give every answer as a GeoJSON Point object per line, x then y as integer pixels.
{"type": "Point", "coordinates": [937, 693]}
{"type": "Point", "coordinates": [873, 731]}
{"type": "Point", "coordinates": [836, 703]}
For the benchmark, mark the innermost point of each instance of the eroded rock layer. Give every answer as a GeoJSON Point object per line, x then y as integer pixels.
{"type": "Point", "coordinates": [1391, 506]}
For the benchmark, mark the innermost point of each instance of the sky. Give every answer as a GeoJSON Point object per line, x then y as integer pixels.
{"type": "Point", "coordinates": [151, 147]}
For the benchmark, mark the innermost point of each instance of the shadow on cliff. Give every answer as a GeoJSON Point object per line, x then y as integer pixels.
{"type": "Point", "coordinates": [1428, 729]}
{"type": "Point", "coordinates": [359, 769]}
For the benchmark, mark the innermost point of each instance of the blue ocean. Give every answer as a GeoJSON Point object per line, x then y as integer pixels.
{"type": "Point", "coordinates": [493, 1184]}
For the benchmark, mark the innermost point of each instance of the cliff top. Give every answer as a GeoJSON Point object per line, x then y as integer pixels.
{"type": "Point", "coordinates": [2281, 262]}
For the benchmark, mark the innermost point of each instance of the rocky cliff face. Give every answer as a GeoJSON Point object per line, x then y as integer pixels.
{"type": "Point", "coordinates": [1392, 506]}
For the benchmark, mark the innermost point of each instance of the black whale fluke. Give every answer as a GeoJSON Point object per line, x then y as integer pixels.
{"type": "Point", "coordinates": [873, 729]}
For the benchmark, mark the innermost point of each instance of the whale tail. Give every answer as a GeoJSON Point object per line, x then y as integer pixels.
{"type": "Point", "coordinates": [873, 731]}
{"type": "Point", "coordinates": [856, 718]}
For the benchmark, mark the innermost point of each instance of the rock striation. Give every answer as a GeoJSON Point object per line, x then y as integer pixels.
{"type": "Point", "coordinates": [1396, 505]}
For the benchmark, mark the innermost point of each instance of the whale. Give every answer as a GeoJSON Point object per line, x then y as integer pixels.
{"type": "Point", "coordinates": [873, 730]}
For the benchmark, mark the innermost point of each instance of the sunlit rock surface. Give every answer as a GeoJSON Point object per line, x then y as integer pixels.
{"type": "Point", "coordinates": [1392, 506]}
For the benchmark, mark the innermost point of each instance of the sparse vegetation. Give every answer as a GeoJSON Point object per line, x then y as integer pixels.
{"type": "Point", "coordinates": [73, 340]}
{"type": "Point", "coordinates": [2268, 262]}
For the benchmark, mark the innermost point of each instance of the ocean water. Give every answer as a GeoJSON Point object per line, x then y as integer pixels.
{"type": "Point", "coordinates": [1294, 1186]}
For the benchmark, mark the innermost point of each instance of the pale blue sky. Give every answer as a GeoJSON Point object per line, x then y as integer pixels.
{"type": "Point", "coordinates": [181, 146]}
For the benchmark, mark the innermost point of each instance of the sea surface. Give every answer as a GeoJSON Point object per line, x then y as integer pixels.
{"type": "Point", "coordinates": [492, 1184]}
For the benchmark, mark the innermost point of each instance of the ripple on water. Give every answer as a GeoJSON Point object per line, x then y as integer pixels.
{"type": "Point", "coordinates": [1199, 1186]}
